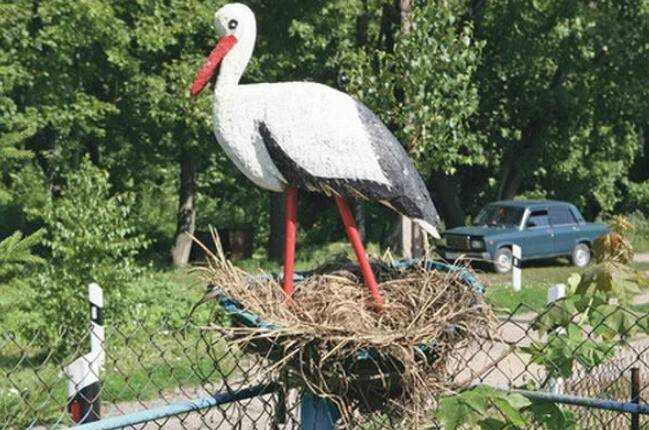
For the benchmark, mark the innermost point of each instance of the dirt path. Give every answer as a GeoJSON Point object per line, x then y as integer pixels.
{"type": "Point", "coordinates": [641, 258]}
{"type": "Point", "coordinates": [643, 297]}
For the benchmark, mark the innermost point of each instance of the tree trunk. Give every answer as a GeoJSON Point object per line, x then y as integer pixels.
{"type": "Point", "coordinates": [362, 25]}
{"type": "Point", "coordinates": [520, 156]}
{"type": "Point", "coordinates": [410, 237]}
{"type": "Point", "coordinates": [511, 178]}
{"type": "Point", "coordinates": [186, 211]}
{"type": "Point", "coordinates": [389, 17]}
{"type": "Point", "coordinates": [276, 210]}
{"type": "Point", "coordinates": [359, 216]}
{"type": "Point", "coordinates": [405, 12]}
{"type": "Point", "coordinates": [446, 192]}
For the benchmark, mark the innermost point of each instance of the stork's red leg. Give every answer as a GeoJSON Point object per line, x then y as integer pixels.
{"type": "Point", "coordinates": [290, 230]}
{"type": "Point", "coordinates": [355, 239]}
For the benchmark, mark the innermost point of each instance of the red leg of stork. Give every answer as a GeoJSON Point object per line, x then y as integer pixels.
{"type": "Point", "coordinates": [355, 239]}
{"type": "Point", "coordinates": [290, 230]}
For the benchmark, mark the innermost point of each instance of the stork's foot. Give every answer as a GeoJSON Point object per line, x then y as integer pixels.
{"type": "Point", "coordinates": [355, 239]}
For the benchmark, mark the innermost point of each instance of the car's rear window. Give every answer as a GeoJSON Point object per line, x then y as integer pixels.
{"type": "Point", "coordinates": [561, 215]}
{"type": "Point", "coordinates": [500, 216]}
{"type": "Point", "coordinates": [538, 218]}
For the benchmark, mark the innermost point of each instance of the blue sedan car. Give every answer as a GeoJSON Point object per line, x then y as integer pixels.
{"type": "Point", "coordinates": [542, 228]}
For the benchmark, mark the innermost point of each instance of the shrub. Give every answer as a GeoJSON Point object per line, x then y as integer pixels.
{"type": "Point", "coordinates": [640, 234]}
{"type": "Point", "coordinates": [92, 237]}
{"type": "Point", "coordinates": [638, 199]}
{"type": "Point", "coordinates": [17, 265]}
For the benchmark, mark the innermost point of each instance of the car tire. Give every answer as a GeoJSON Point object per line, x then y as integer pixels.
{"type": "Point", "coordinates": [581, 255]}
{"type": "Point", "coordinates": [503, 260]}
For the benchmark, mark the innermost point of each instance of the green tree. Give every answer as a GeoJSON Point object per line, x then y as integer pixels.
{"type": "Point", "coordinates": [417, 72]}
{"type": "Point", "coordinates": [91, 236]}
{"type": "Point", "coordinates": [561, 97]}
{"type": "Point", "coordinates": [18, 265]}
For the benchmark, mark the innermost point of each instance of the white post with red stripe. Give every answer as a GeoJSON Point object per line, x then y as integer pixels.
{"type": "Point", "coordinates": [83, 373]}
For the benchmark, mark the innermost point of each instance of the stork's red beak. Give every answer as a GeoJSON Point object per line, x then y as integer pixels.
{"type": "Point", "coordinates": [210, 66]}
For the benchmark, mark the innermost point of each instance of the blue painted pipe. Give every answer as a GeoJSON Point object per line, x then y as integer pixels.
{"type": "Point", "coordinates": [317, 413]}
{"type": "Point", "coordinates": [609, 405]}
{"type": "Point", "coordinates": [178, 408]}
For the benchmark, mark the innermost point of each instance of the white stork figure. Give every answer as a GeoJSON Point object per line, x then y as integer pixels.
{"type": "Point", "coordinates": [285, 136]}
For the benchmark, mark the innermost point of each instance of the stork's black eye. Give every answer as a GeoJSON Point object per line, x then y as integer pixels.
{"type": "Point", "coordinates": [232, 24]}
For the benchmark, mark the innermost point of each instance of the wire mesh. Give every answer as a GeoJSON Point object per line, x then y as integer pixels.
{"type": "Point", "coordinates": [149, 365]}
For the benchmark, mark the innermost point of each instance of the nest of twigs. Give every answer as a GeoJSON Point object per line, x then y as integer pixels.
{"type": "Point", "coordinates": [330, 340]}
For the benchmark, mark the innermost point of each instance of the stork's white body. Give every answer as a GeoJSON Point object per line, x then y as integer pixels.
{"type": "Point", "coordinates": [331, 139]}
{"type": "Point", "coordinates": [320, 128]}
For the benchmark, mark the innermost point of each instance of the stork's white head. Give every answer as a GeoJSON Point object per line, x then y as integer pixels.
{"type": "Point", "coordinates": [235, 24]}
{"type": "Point", "coordinates": [235, 19]}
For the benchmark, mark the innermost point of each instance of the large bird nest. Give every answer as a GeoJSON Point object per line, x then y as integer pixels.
{"type": "Point", "coordinates": [330, 340]}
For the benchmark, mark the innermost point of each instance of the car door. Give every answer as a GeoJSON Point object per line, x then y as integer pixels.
{"type": "Point", "coordinates": [537, 237]}
{"type": "Point", "coordinates": [566, 229]}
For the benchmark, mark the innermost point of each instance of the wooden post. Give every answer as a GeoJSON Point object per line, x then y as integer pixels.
{"type": "Point", "coordinates": [406, 237]}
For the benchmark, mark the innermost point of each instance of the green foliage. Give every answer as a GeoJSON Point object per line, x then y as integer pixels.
{"type": "Point", "coordinates": [638, 199]}
{"type": "Point", "coordinates": [429, 99]}
{"type": "Point", "coordinates": [91, 237]}
{"type": "Point", "coordinates": [17, 266]}
{"type": "Point", "coordinates": [595, 317]}
{"type": "Point", "coordinates": [471, 408]}
{"type": "Point", "coordinates": [488, 408]}
{"type": "Point", "coordinates": [150, 351]}
{"type": "Point", "coordinates": [555, 86]}
{"type": "Point", "coordinates": [560, 96]}
{"type": "Point", "coordinates": [16, 253]}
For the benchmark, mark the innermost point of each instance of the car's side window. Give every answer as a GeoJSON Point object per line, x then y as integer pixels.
{"type": "Point", "coordinates": [560, 215]}
{"type": "Point", "coordinates": [538, 218]}
{"type": "Point", "coordinates": [575, 213]}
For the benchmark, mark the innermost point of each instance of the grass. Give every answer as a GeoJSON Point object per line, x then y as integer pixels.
{"type": "Point", "coordinates": [151, 353]}
{"type": "Point", "coordinates": [537, 278]}
{"type": "Point", "coordinates": [308, 257]}
{"type": "Point", "coordinates": [150, 366]}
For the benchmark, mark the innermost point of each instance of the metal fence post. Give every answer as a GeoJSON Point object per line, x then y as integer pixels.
{"type": "Point", "coordinates": [83, 373]}
{"type": "Point", "coordinates": [635, 397]}
{"type": "Point", "coordinates": [555, 293]}
{"type": "Point", "coordinates": [517, 255]}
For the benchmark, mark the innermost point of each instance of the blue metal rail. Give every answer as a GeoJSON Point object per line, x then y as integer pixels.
{"type": "Point", "coordinates": [588, 402]}
{"type": "Point", "coordinates": [178, 408]}
{"type": "Point", "coordinates": [322, 423]}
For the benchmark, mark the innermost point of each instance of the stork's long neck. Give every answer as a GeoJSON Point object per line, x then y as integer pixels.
{"type": "Point", "coordinates": [233, 65]}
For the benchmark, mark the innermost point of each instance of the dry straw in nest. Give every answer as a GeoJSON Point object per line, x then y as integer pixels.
{"type": "Point", "coordinates": [330, 340]}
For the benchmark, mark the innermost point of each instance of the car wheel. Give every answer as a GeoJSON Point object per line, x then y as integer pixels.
{"type": "Point", "coordinates": [581, 255]}
{"type": "Point", "coordinates": [503, 260]}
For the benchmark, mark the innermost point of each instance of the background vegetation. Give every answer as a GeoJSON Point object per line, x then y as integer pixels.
{"type": "Point", "coordinates": [106, 165]}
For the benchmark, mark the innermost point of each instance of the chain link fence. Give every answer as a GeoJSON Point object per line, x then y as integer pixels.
{"type": "Point", "coordinates": [152, 365]}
